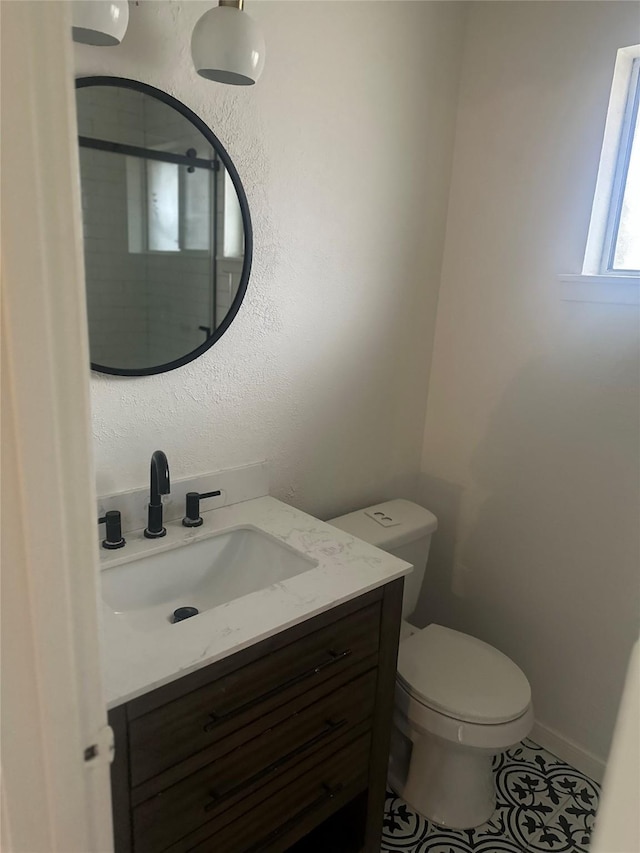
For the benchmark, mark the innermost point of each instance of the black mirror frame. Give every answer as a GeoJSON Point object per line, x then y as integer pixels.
{"type": "Point", "coordinates": [145, 88]}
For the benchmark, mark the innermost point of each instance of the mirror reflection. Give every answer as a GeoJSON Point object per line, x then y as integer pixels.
{"type": "Point", "coordinates": [164, 230]}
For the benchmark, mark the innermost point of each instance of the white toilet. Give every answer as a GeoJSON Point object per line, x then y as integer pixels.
{"type": "Point", "coordinates": [459, 701]}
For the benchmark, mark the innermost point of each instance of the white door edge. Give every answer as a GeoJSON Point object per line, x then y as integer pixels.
{"type": "Point", "coordinates": [52, 699]}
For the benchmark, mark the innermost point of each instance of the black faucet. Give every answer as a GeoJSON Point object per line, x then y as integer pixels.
{"type": "Point", "coordinates": [193, 517]}
{"type": "Point", "coordinates": [160, 485]}
{"type": "Point", "coordinates": [113, 538]}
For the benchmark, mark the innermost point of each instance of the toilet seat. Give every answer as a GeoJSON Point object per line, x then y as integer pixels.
{"type": "Point", "coordinates": [461, 677]}
{"type": "Point", "coordinates": [425, 720]}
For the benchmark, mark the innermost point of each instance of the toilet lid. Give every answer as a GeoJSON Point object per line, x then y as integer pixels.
{"type": "Point", "coordinates": [462, 677]}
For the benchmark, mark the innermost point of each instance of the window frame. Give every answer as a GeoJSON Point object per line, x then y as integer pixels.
{"type": "Point", "coordinates": [623, 157]}
{"type": "Point", "coordinates": [611, 177]}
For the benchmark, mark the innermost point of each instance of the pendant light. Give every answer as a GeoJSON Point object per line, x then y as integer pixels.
{"type": "Point", "coordinates": [227, 45]}
{"type": "Point", "coordinates": [99, 22]}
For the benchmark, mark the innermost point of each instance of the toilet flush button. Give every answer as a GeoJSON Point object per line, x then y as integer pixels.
{"type": "Point", "coordinates": [382, 518]}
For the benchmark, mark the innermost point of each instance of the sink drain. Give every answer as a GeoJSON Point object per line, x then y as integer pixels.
{"type": "Point", "coordinates": [184, 613]}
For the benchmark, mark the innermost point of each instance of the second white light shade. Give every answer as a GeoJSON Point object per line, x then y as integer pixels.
{"type": "Point", "coordinates": [228, 46]}
{"type": "Point", "coordinates": [99, 22]}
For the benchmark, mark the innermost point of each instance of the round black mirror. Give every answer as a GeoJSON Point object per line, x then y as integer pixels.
{"type": "Point", "coordinates": [167, 231]}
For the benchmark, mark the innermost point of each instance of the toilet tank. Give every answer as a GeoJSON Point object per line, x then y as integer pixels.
{"type": "Point", "coordinates": [403, 529]}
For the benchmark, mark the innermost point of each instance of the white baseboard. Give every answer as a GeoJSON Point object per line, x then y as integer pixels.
{"type": "Point", "coordinates": [568, 751]}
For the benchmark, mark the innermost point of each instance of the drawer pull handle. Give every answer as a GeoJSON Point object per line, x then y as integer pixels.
{"type": "Point", "coordinates": [329, 793]}
{"type": "Point", "coordinates": [334, 657]}
{"type": "Point", "coordinates": [330, 728]}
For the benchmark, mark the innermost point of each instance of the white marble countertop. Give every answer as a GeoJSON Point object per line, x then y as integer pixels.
{"type": "Point", "coordinates": [135, 661]}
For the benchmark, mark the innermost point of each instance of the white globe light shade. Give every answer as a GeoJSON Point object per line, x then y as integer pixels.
{"type": "Point", "coordinates": [99, 22]}
{"type": "Point", "coordinates": [228, 46]}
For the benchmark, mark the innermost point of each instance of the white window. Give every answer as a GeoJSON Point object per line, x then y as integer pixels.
{"type": "Point", "coordinates": [613, 245]}
{"type": "Point", "coordinates": [233, 232]}
{"type": "Point", "coordinates": [611, 269]}
{"type": "Point", "coordinates": [168, 206]}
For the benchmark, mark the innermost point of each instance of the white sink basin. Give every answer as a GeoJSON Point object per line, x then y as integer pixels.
{"type": "Point", "coordinates": [202, 574]}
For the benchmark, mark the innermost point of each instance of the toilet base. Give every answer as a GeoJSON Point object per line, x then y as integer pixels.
{"type": "Point", "coordinates": [449, 785]}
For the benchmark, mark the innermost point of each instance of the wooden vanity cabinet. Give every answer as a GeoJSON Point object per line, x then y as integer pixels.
{"type": "Point", "coordinates": [268, 748]}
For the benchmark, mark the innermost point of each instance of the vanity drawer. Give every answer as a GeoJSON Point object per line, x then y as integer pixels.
{"type": "Point", "coordinates": [212, 791]}
{"type": "Point", "coordinates": [170, 734]}
{"type": "Point", "coordinates": [271, 820]}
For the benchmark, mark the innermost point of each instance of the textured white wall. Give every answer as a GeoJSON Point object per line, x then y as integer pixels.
{"type": "Point", "coordinates": [344, 150]}
{"type": "Point", "coordinates": [531, 444]}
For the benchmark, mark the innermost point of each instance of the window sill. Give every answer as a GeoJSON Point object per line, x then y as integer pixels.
{"type": "Point", "coordinates": [615, 289]}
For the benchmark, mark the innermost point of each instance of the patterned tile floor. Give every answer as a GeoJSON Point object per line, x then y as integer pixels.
{"type": "Point", "coordinates": [543, 804]}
